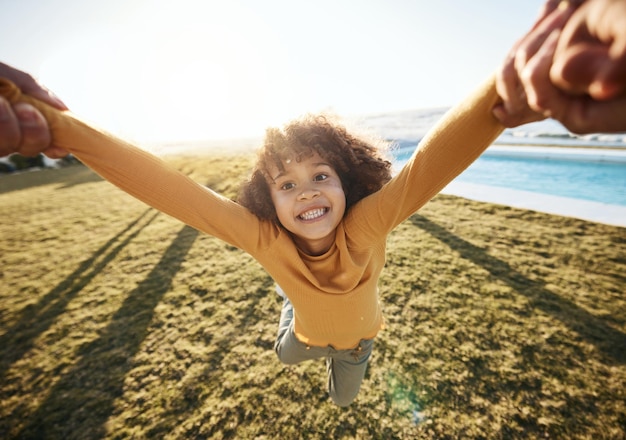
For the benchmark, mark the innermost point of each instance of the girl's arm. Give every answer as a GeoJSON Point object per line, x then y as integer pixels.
{"type": "Point", "coordinates": [145, 176]}
{"type": "Point", "coordinates": [456, 141]}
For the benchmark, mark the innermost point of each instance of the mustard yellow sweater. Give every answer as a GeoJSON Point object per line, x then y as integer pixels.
{"type": "Point", "coordinates": [335, 295]}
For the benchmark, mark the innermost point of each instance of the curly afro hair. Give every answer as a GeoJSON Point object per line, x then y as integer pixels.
{"type": "Point", "coordinates": [359, 163]}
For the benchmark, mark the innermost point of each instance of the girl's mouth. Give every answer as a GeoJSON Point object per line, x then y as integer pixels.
{"type": "Point", "coordinates": [313, 214]}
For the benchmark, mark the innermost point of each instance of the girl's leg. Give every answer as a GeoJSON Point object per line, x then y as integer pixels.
{"type": "Point", "coordinates": [286, 316]}
{"type": "Point", "coordinates": [346, 370]}
{"type": "Point", "coordinates": [288, 348]}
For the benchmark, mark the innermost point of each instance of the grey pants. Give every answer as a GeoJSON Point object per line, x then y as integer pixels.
{"type": "Point", "coordinates": [346, 368]}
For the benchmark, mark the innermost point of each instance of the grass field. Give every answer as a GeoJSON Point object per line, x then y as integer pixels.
{"type": "Point", "coordinates": [118, 322]}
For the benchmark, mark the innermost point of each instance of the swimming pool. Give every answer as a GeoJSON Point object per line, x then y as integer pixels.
{"type": "Point", "coordinates": [590, 176]}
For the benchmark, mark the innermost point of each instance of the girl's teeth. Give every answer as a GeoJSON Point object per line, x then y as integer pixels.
{"type": "Point", "coordinates": [310, 215]}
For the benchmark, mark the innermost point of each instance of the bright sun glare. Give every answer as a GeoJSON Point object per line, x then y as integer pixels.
{"type": "Point", "coordinates": [167, 79]}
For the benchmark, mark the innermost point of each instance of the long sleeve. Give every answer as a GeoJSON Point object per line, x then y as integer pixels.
{"type": "Point", "coordinates": [146, 177]}
{"type": "Point", "coordinates": [456, 141]}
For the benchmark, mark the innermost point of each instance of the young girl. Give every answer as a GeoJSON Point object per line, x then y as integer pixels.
{"type": "Point", "coordinates": [315, 214]}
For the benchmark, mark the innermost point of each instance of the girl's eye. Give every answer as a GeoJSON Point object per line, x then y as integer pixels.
{"type": "Point", "coordinates": [287, 186]}
{"type": "Point", "coordinates": [321, 177]}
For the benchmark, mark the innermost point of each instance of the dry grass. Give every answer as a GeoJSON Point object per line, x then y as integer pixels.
{"type": "Point", "coordinates": [119, 322]}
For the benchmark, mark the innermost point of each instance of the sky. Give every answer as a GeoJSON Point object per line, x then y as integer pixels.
{"type": "Point", "coordinates": [162, 71]}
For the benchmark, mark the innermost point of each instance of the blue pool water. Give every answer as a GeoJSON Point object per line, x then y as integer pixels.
{"type": "Point", "coordinates": [586, 180]}
{"type": "Point", "coordinates": [596, 181]}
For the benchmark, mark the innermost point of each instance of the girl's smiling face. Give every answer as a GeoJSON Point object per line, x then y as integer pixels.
{"type": "Point", "coordinates": [309, 201]}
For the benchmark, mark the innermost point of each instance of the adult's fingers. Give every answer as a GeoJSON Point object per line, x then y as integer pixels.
{"type": "Point", "coordinates": [540, 92]}
{"type": "Point", "coordinates": [535, 39]}
{"type": "Point", "coordinates": [28, 84]}
{"type": "Point", "coordinates": [43, 94]}
{"type": "Point", "coordinates": [514, 109]}
{"type": "Point", "coordinates": [587, 68]}
{"type": "Point", "coordinates": [9, 129]}
{"type": "Point", "coordinates": [578, 113]}
{"type": "Point", "coordinates": [581, 67]}
{"type": "Point", "coordinates": [591, 55]}
{"type": "Point", "coordinates": [509, 87]}
{"type": "Point", "coordinates": [35, 135]}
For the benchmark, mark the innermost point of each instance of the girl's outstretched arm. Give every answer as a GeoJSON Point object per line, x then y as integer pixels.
{"type": "Point", "coordinates": [142, 175]}
{"type": "Point", "coordinates": [456, 141]}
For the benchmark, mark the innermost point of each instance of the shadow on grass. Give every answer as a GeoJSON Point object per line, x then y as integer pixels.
{"type": "Point", "coordinates": [36, 319]}
{"type": "Point", "coordinates": [591, 328]}
{"type": "Point", "coordinates": [81, 402]}
{"type": "Point", "coordinates": [66, 177]}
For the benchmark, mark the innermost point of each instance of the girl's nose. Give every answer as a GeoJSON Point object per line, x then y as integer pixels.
{"type": "Point", "coordinates": [308, 193]}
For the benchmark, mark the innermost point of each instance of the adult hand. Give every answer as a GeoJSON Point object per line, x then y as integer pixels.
{"type": "Point", "coordinates": [580, 113]}
{"type": "Point", "coordinates": [575, 71]}
{"type": "Point", "coordinates": [23, 129]}
{"type": "Point", "coordinates": [590, 56]}
{"type": "Point", "coordinates": [583, 85]}
{"type": "Point", "coordinates": [515, 109]}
